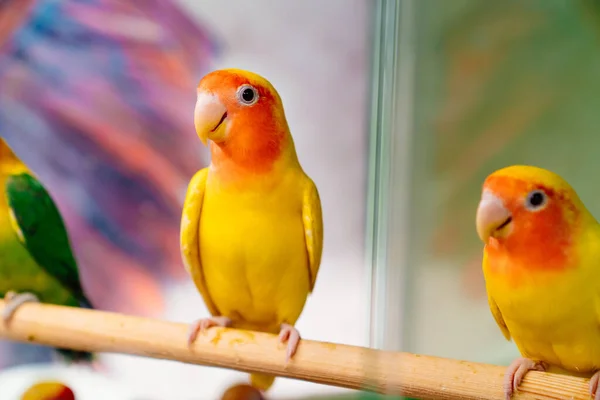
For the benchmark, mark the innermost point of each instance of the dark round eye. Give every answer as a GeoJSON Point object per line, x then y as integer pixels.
{"type": "Point", "coordinates": [247, 95]}
{"type": "Point", "coordinates": [536, 200]}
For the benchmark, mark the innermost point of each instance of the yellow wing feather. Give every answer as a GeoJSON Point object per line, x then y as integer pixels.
{"type": "Point", "coordinates": [15, 225]}
{"type": "Point", "coordinates": [312, 218]}
{"type": "Point", "coordinates": [494, 307]}
{"type": "Point", "coordinates": [190, 235]}
{"type": "Point", "coordinates": [498, 317]}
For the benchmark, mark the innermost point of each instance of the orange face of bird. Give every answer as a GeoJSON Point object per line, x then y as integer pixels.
{"type": "Point", "coordinates": [241, 113]}
{"type": "Point", "coordinates": [529, 213]}
{"type": "Point", "coordinates": [231, 101]}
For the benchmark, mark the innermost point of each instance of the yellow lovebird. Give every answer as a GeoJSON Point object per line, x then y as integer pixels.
{"type": "Point", "coordinates": [541, 264]}
{"type": "Point", "coordinates": [252, 228]}
{"type": "Point", "coordinates": [36, 259]}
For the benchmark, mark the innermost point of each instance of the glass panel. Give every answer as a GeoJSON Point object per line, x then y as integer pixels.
{"type": "Point", "coordinates": [390, 169]}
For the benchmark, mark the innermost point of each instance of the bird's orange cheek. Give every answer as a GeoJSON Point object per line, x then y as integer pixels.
{"type": "Point", "coordinates": [521, 255]}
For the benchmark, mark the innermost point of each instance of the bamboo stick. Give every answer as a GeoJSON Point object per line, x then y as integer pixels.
{"type": "Point", "coordinates": [340, 365]}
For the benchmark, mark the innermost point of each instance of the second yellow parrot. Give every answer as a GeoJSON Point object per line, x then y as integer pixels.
{"type": "Point", "coordinates": [542, 271]}
{"type": "Point", "coordinates": [252, 228]}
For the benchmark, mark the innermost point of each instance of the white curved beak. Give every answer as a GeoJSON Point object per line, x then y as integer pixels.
{"type": "Point", "coordinates": [493, 218]}
{"type": "Point", "coordinates": [210, 116]}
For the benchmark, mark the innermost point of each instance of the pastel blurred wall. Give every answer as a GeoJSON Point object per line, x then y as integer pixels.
{"type": "Point", "coordinates": [101, 115]}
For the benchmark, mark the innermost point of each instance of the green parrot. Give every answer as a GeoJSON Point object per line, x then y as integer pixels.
{"type": "Point", "coordinates": [36, 260]}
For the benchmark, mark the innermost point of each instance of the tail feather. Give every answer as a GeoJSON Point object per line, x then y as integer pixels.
{"type": "Point", "coordinates": [76, 356]}
{"type": "Point", "coordinates": [84, 302]}
{"type": "Point", "coordinates": [262, 381]}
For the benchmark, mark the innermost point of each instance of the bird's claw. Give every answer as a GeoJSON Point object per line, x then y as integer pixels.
{"type": "Point", "coordinates": [594, 382]}
{"type": "Point", "coordinates": [205, 323]}
{"type": "Point", "coordinates": [516, 372]}
{"type": "Point", "coordinates": [290, 335]}
{"type": "Point", "coordinates": [13, 301]}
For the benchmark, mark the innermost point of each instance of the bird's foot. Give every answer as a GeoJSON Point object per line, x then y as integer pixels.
{"type": "Point", "coordinates": [290, 335]}
{"type": "Point", "coordinates": [9, 295]}
{"type": "Point", "coordinates": [516, 372]}
{"type": "Point", "coordinates": [594, 383]}
{"type": "Point", "coordinates": [205, 323]}
{"type": "Point", "coordinates": [13, 301]}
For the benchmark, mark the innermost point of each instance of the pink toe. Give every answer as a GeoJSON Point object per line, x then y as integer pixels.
{"type": "Point", "coordinates": [284, 336]}
{"type": "Point", "coordinates": [292, 347]}
{"type": "Point", "coordinates": [193, 331]}
{"type": "Point", "coordinates": [519, 375]}
{"type": "Point", "coordinates": [594, 386]}
{"type": "Point", "coordinates": [508, 388]}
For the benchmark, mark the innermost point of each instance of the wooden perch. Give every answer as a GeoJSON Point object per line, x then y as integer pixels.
{"type": "Point", "coordinates": [340, 365]}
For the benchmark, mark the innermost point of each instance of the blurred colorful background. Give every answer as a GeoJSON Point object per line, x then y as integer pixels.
{"type": "Point", "coordinates": [97, 96]}
{"type": "Point", "coordinates": [399, 109]}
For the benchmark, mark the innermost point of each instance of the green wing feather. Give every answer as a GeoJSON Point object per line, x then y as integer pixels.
{"type": "Point", "coordinates": [43, 231]}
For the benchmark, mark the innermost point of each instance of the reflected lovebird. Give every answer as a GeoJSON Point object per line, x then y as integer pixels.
{"type": "Point", "coordinates": [541, 264]}
{"type": "Point", "coordinates": [252, 228]}
{"type": "Point", "coordinates": [36, 260]}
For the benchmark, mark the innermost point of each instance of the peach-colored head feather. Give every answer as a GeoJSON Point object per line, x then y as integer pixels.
{"type": "Point", "coordinates": [532, 217]}
{"type": "Point", "coordinates": [251, 134]}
